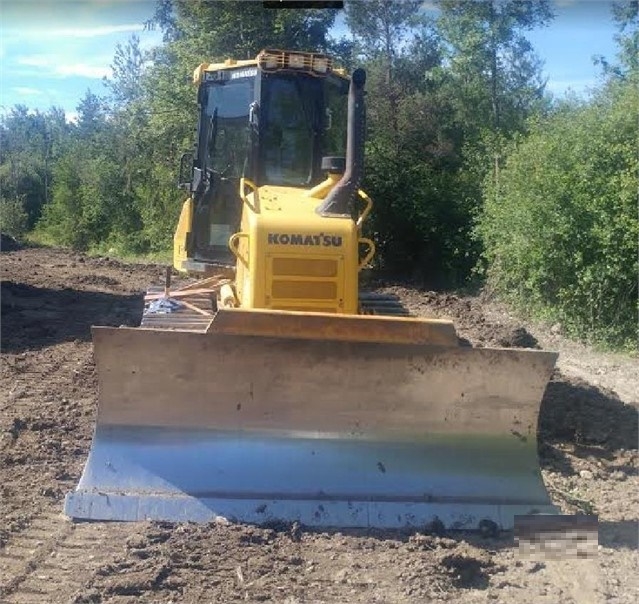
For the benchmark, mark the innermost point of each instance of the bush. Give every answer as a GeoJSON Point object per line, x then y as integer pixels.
{"type": "Point", "coordinates": [13, 218]}
{"type": "Point", "coordinates": [421, 220]}
{"type": "Point", "coordinates": [560, 225]}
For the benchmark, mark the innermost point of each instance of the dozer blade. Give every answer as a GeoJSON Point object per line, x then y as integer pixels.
{"type": "Point", "coordinates": [323, 426]}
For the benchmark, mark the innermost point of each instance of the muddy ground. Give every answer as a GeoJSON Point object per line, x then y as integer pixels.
{"type": "Point", "coordinates": [50, 298]}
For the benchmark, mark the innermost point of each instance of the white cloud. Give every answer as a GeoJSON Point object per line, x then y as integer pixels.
{"type": "Point", "coordinates": [83, 70]}
{"type": "Point", "coordinates": [25, 91]}
{"type": "Point", "coordinates": [96, 70]}
{"type": "Point", "coordinates": [71, 117]}
{"type": "Point", "coordinates": [92, 32]}
{"type": "Point", "coordinates": [34, 60]}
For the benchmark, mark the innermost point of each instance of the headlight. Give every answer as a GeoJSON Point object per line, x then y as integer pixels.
{"type": "Point", "coordinates": [320, 64]}
{"type": "Point", "coordinates": [269, 61]}
{"type": "Point", "coordinates": [314, 64]}
{"type": "Point", "coordinates": [296, 61]}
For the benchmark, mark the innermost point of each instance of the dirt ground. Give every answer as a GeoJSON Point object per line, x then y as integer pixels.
{"type": "Point", "coordinates": [48, 393]}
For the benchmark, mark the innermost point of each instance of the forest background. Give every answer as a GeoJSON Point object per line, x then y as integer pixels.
{"type": "Point", "coordinates": [479, 176]}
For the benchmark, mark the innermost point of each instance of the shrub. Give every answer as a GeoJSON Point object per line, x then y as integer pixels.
{"type": "Point", "coordinates": [560, 225]}
{"type": "Point", "coordinates": [13, 217]}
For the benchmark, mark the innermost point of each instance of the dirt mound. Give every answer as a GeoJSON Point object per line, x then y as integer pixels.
{"type": "Point", "coordinates": [576, 412]}
{"type": "Point", "coordinates": [468, 315]}
{"type": "Point", "coordinates": [468, 571]}
{"type": "Point", "coordinates": [194, 562]}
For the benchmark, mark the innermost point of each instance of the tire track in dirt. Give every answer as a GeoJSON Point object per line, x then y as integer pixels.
{"type": "Point", "coordinates": [47, 408]}
{"type": "Point", "coordinates": [45, 434]}
{"type": "Point", "coordinates": [49, 414]}
{"type": "Point", "coordinates": [27, 552]}
{"type": "Point", "coordinates": [56, 559]}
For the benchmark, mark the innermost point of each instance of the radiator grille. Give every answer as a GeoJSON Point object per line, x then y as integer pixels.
{"type": "Point", "coordinates": [304, 267]}
{"type": "Point", "coordinates": [313, 290]}
{"type": "Point", "coordinates": [311, 282]}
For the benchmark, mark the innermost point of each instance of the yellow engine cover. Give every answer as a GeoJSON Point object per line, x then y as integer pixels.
{"type": "Point", "coordinates": [291, 258]}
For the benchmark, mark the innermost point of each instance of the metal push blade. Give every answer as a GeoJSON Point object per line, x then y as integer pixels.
{"type": "Point", "coordinates": [315, 427]}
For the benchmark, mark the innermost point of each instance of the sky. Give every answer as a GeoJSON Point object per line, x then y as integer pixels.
{"type": "Point", "coordinates": [52, 51]}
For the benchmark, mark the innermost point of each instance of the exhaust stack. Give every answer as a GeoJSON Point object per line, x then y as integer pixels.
{"type": "Point", "coordinates": [339, 202]}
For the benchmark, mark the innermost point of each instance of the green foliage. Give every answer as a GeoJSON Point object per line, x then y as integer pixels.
{"type": "Point", "coordinates": [128, 70]}
{"type": "Point", "coordinates": [490, 70]}
{"type": "Point", "coordinates": [381, 25]}
{"type": "Point", "coordinates": [442, 97]}
{"type": "Point", "coordinates": [30, 143]}
{"type": "Point", "coordinates": [625, 15]}
{"type": "Point", "coordinates": [215, 30]}
{"type": "Point", "coordinates": [93, 199]}
{"type": "Point", "coordinates": [90, 203]}
{"type": "Point", "coordinates": [63, 218]}
{"type": "Point", "coordinates": [13, 217]}
{"type": "Point", "coordinates": [420, 225]}
{"type": "Point", "coordinates": [560, 223]}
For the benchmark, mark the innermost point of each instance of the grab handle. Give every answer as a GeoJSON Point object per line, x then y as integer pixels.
{"type": "Point", "coordinates": [369, 255]}
{"type": "Point", "coordinates": [234, 246]}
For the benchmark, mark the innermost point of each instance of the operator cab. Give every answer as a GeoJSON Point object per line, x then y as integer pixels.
{"type": "Point", "coordinates": [271, 122]}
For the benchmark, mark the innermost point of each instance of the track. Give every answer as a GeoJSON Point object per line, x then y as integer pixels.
{"type": "Point", "coordinates": [41, 565]}
{"type": "Point", "coordinates": [43, 451]}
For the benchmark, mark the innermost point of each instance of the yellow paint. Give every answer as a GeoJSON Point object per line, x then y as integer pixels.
{"type": "Point", "coordinates": [198, 74]}
{"type": "Point", "coordinates": [291, 258]}
{"type": "Point", "coordinates": [182, 231]}
{"type": "Point", "coordinates": [321, 190]}
{"type": "Point", "coordinates": [288, 256]}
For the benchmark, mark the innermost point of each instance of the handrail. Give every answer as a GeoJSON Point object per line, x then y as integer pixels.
{"type": "Point", "coordinates": [255, 206]}
{"type": "Point", "coordinates": [234, 246]}
{"type": "Point", "coordinates": [367, 210]}
{"type": "Point", "coordinates": [369, 255]}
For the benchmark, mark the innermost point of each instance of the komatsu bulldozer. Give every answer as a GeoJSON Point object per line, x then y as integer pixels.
{"type": "Point", "coordinates": [272, 388]}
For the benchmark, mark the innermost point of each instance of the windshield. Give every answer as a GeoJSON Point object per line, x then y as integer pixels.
{"type": "Point", "coordinates": [226, 125]}
{"type": "Point", "coordinates": [291, 114]}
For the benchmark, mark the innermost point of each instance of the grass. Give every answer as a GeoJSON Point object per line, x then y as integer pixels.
{"type": "Point", "coordinates": [41, 239]}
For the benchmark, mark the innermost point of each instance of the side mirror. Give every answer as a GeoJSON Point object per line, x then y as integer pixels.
{"type": "Point", "coordinates": [186, 171]}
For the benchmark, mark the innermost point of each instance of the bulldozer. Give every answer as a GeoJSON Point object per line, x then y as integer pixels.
{"type": "Point", "coordinates": [273, 389]}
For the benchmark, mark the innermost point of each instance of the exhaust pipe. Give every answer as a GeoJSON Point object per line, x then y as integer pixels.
{"type": "Point", "coordinates": [340, 201]}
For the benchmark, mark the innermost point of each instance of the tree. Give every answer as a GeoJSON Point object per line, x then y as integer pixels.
{"type": "Point", "coordinates": [127, 70]}
{"type": "Point", "coordinates": [31, 141]}
{"type": "Point", "coordinates": [381, 29]}
{"type": "Point", "coordinates": [381, 26]}
{"type": "Point", "coordinates": [489, 62]}
{"type": "Point", "coordinates": [421, 221]}
{"type": "Point", "coordinates": [560, 227]}
{"type": "Point", "coordinates": [625, 14]}
{"type": "Point", "coordinates": [91, 116]}
{"type": "Point", "coordinates": [215, 30]}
